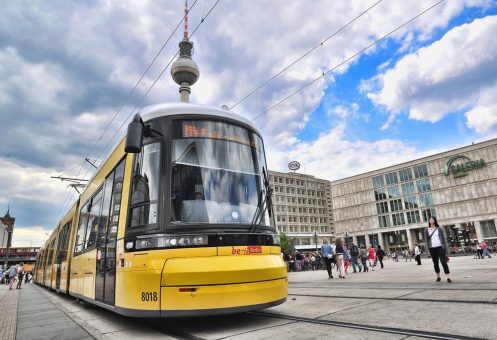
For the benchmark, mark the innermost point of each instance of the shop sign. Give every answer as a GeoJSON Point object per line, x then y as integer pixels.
{"type": "Point", "coordinates": [294, 165]}
{"type": "Point", "coordinates": [460, 165]}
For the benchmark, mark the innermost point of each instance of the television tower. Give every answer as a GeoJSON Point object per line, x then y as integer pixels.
{"type": "Point", "coordinates": [184, 70]}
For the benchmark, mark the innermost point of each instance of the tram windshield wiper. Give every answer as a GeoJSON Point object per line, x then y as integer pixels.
{"type": "Point", "coordinates": [264, 203]}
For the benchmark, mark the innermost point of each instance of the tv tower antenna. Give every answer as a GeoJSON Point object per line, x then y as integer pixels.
{"type": "Point", "coordinates": [184, 70]}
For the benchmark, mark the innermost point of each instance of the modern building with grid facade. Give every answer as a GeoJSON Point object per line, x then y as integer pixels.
{"type": "Point", "coordinates": [302, 208]}
{"type": "Point", "coordinates": [391, 206]}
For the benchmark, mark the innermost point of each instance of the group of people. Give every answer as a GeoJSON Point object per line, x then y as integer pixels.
{"type": "Point", "coordinates": [482, 249]}
{"type": "Point", "coordinates": [302, 261]}
{"type": "Point", "coordinates": [16, 274]}
{"type": "Point", "coordinates": [360, 258]}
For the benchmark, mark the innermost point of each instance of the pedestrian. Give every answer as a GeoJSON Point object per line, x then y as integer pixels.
{"type": "Point", "coordinates": [484, 248]}
{"type": "Point", "coordinates": [346, 260]}
{"type": "Point", "coordinates": [298, 261]}
{"type": "Point", "coordinates": [363, 253]}
{"type": "Point", "coordinates": [20, 275]}
{"type": "Point", "coordinates": [12, 275]}
{"type": "Point", "coordinates": [339, 251]}
{"type": "Point", "coordinates": [417, 254]}
{"type": "Point", "coordinates": [371, 256]}
{"type": "Point", "coordinates": [436, 240]}
{"type": "Point", "coordinates": [327, 254]}
{"type": "Point", "coordinates": [313, 262]}
{"type": "Point", "coordinates": [380, 253]}
{"type": "Point", "coordinates": [287, 258]}
{"type": "Point", "coordinates": [479, 251]}
{"type": "Point", "coordinates": [354, 253]}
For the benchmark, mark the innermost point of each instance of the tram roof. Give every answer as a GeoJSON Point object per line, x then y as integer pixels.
{"type": "Point", "coordinates": [170, 109]}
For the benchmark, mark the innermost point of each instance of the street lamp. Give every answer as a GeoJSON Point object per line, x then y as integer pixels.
{"type": "Point", "coordinates": [316, 239]}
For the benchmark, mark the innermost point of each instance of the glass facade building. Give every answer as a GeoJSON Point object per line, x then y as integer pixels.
{"type": "Point", "coordinates": [391, 206]}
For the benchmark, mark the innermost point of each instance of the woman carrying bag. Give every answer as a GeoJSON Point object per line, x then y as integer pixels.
{"type": "Point", "coordinates": [436, 240]}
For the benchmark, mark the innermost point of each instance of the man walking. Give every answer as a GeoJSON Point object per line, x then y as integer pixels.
{"type": "Point", "coordinates": [484, 247]}
{"type": "Point", "coordinates": [354, 254]}
{"type": "Point", "coordinates": [417, 254]}
{"type": "Point", "coordinates": [20, 275]}
{"type": "Point", "coordinates": [380, 254]}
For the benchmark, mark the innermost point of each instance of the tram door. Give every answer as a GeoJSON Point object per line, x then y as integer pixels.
{"type": "Point", "coordinates": [107, 237]}
{"type": "Point", "coordinates": [61, 253]}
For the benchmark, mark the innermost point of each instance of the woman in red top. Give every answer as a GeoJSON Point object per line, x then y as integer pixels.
{"type": "Point", "coordinates": [371, 256]}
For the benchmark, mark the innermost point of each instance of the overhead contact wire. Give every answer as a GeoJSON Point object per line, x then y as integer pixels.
{"type": "Point", "coordinates": [122, 105]}
{"type": "Point", "coordinates": [156, 80]}
{"type": "Point", "coordinates": [347, 60]}
{"type": "Point", "coordinates": [305, 54]}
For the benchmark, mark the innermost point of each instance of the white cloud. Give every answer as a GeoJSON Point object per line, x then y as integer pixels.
{"type": "Point", "coordinates": [483, 119]}
{"type": "Point", "coordinates": [334, 155]}
{"type": "Point", "coordinates": [447, 76]}
{"type": "Point", "coordinates": [29, 236]}
{"type": "Point", "coordinates": [40, 84]}
{"type": "Point", "coordinates": [28, 183]}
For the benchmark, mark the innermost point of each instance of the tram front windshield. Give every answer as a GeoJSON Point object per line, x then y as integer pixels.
{"type": "Point", "coordinates": [216, 173]}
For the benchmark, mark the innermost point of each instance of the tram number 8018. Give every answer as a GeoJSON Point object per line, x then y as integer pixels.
{"type": "Point", "coordinates": [149, 296]}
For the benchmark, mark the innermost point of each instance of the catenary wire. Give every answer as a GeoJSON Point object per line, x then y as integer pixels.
{"type": "Point", "coordinates": [139, 80]}
{"type": "Point", "coordinates": [151, 86]}
{"type": "Point", "coordinates": [306, 54]}
{"type": "Point", "coordinates": [121, 106]}
{"type": "Point", "coordinates": [347, 60]}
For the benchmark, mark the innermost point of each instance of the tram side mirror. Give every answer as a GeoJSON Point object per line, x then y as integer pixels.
{"type": "Point", "coordinates": [134, 136]}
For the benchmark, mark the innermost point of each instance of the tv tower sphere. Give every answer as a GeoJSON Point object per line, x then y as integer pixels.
{"type": "Point", "coordinates": [185, 69]}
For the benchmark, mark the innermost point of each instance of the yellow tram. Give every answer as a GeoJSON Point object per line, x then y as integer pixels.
{"type": "Point", "coordinates": [179, 225]}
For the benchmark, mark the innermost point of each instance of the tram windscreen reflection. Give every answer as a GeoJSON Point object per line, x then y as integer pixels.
{"type": "Point", "coordinates": [216, 180]}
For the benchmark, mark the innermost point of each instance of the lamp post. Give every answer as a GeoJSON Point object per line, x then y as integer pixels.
{"type": "Point", "coordinates": [346, 237]}
{"type": "Point", "coordinates": [316, 239]}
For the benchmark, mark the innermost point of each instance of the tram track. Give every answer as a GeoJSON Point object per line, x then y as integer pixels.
{"type": "Point", "coordinates": [172, 332]}
{"type": "Point", "coordinates": [380, 329]}
{"type": "Point", "coordinates": [395, 298]}
{"type": "Point", "coordinates": [349, 287]}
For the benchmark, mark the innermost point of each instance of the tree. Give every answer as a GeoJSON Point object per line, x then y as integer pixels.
{"type": "Point", "coordinates": [285, 243]}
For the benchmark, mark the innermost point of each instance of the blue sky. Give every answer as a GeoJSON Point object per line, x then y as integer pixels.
{"type": "Point", "coordinates": [66, 68]}
{"type": "Point", "coordinates": [345, 91]}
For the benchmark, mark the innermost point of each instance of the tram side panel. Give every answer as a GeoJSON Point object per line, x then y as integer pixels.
{"type": "Point", "coordinates": [90, 224]}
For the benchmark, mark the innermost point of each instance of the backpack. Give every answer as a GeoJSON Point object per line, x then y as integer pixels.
{"type": "Point", "coordinates": [354, 251]}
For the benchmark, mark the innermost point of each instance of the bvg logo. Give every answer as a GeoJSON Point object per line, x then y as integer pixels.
{"type": "Point", "coordinates": [247, 251]}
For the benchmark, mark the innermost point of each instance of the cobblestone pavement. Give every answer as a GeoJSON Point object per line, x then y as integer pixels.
{"type": "Point", "coordinates": [8, 315]}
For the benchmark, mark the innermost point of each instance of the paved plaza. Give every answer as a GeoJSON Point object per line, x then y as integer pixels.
{"type": "Point", "coordinates": [402, 301]}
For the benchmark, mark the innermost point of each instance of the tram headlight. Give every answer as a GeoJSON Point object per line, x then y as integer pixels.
{"type": "Point", "coordinates": [200, 240]}
{"type": "Point", "coordinates": [165, 241]}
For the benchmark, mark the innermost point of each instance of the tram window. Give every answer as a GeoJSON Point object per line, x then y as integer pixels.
{"type": "Point", "coordinates": [93, 220]}
{"type": "Point", "coordinates": [216, 173]}
{"type": "Point", "coordinates": [83, 221]}
{"type": "Point", "coordinates": [63, 242]}
{"type": "Point", "coordinates": [111, 205]}
{"type": "Point", "coordinates": [145, 187]}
